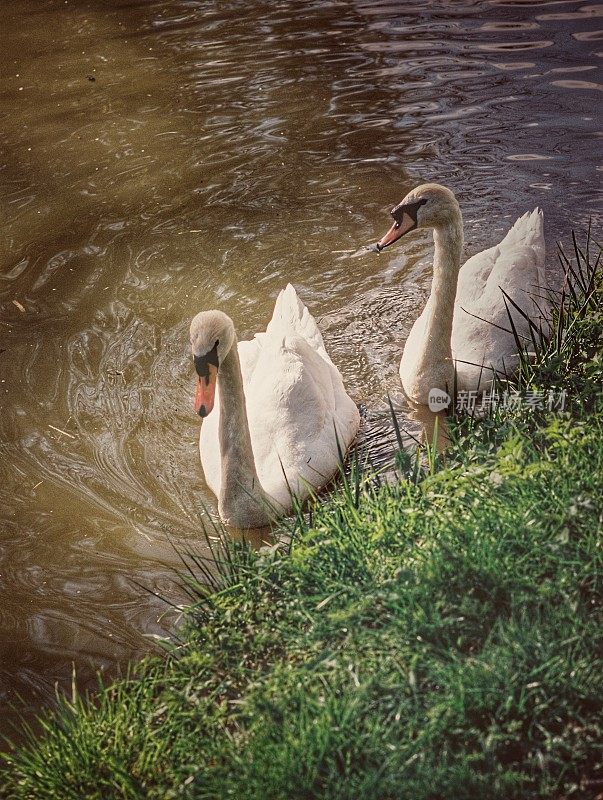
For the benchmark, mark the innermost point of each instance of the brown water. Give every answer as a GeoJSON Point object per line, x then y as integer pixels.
{"type": "Point", "coordinates": [161, 158]}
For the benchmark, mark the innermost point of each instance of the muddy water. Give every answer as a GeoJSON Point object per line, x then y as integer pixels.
{"type": "Point", "coordinates": [160, 158]}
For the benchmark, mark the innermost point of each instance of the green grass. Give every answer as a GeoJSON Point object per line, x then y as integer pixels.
{"type": "Point", "coordinates": [435, 638]}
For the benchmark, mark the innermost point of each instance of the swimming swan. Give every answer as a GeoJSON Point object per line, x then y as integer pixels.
{"type": "Point", "coordinates": [282, 413]}
{"type": "Point", "coordinates": [465, 323]}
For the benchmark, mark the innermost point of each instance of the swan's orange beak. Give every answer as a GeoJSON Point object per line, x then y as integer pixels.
{"type": "Point", "coordinates": [405, 216]}
{"type": "Point", "coordinates": [397, 230]}
{"type": "Point", "coordinates": [206, 390]}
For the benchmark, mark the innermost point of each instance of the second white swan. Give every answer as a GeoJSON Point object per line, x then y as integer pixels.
{"type": "Point", "coordinates": [465, 324]}
{"type": "Point", "coordinates": [282, 416]}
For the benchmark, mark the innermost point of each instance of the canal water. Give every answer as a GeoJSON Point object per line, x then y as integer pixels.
{"type": "Point", "coordinates": [159, 158]}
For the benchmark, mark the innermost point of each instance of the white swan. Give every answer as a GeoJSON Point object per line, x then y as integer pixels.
{"type": "Point", "coordinates": [282, 414]}
{"type": "Point", "coordinates": [465, 323]}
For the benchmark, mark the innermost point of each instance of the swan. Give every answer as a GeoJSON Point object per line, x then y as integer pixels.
{"type": "Point", "coordinates": [282, 413]}
{"type": "Point", "coordinates": [465, 323]}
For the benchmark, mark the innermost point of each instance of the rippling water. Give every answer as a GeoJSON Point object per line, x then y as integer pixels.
{"type": "Point", "coordinates": [160, 158]}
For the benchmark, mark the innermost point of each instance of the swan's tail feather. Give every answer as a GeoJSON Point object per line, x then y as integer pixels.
{"type": "Point", "coordinates": [528, 230]}
{"type": "Point", "coordinates": [291, 317]}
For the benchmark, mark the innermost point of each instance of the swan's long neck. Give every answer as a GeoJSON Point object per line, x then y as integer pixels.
{"type": "Point", "coordinates": [242, 501]}
{"type": "Point", "coordinates": [435, 357]}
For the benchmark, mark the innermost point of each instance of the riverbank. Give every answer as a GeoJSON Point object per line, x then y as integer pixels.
{"type": "Point", "coordinates": [434, 638]}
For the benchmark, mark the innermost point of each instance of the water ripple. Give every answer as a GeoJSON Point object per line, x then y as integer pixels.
{"type": "Point", "coordinates": [223, 149]}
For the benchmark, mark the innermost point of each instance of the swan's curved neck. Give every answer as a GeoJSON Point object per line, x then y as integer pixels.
{"type": "Point", "coordinates": [436, 352]}
{"type": "Point", "coordinates": [242, 501]}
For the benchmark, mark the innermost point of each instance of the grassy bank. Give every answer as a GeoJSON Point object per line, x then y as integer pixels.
{"type": "Point", "coordinates": [435, 638]}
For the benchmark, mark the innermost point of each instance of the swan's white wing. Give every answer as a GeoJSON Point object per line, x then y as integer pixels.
{"type": "Point", "coordinates": [292, 318]}
{"type": "Point", "coordinates": [295, 402]}
{"type": "Point", "coordinates": [519, 271]}
{"type": "Point", "coordinates": [516, 266]}
{"type": "Point", "coordinates": [527, 231]}
{"type": "Point", "coordinates": [520, 266]}
{"type": "Point", "coordinates": [474, 275]}
{"type": "Point", "coordinates": [517, 263]}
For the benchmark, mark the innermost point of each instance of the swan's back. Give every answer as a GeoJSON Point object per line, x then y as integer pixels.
{"type": "Point", "coordinates": [519, 256]}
